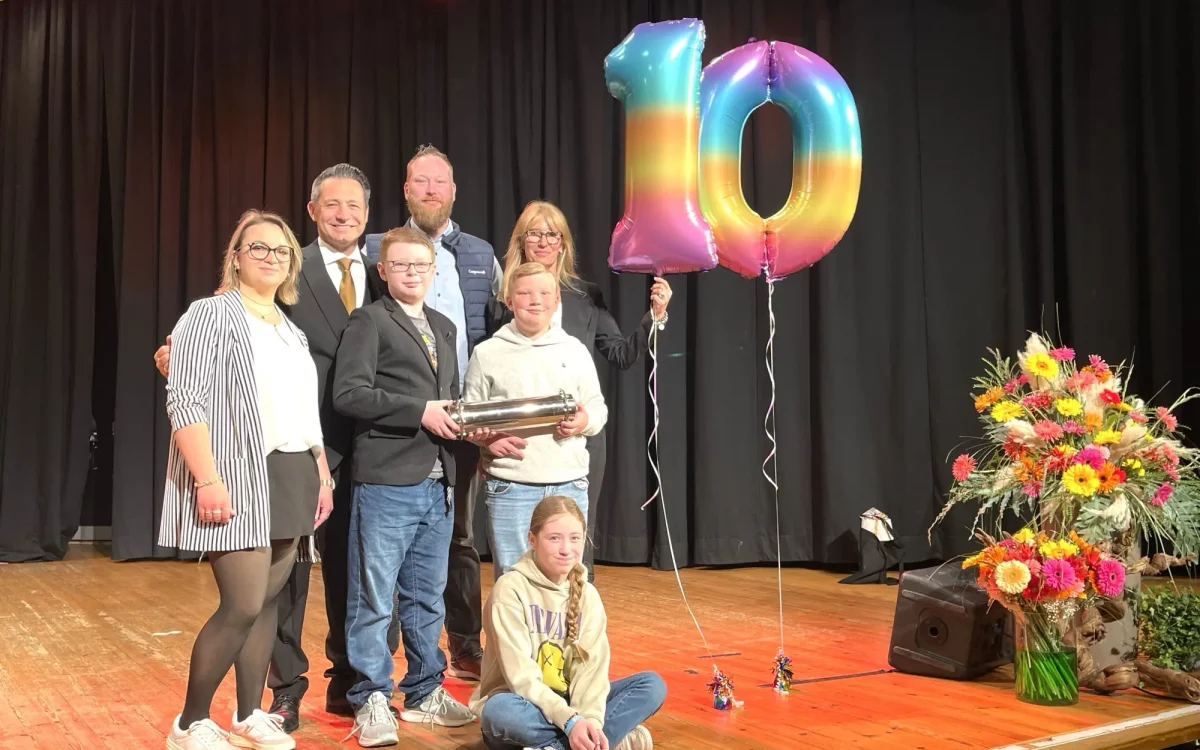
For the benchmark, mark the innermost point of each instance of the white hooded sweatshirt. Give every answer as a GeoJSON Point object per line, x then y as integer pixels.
{"type": "Point", "coordinates": [510, 365]}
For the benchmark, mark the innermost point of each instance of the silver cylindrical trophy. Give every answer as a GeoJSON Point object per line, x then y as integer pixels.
{"type": "Point", "coordinates": [512, 413]}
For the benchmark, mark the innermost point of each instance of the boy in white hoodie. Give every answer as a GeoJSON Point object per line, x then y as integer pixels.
{"type": "Point", "coordinates": [545, 680]}
{"type": "Point", "coordinates": [530, 357]}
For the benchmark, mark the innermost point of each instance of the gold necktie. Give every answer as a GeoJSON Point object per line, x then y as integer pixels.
{"type": "Point", "coordinates": [346, 290]}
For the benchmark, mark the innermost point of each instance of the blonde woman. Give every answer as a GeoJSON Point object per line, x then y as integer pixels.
{"type": "Point", "coordinates": [247, 476]}
{"type": "Point", "coordinates": [541, 235]}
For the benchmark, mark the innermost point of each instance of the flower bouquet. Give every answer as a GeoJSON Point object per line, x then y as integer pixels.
{"type": "Point", "coordinates": [1046, 583]}
{"type": "Point", "coordinates": [1067, 445]}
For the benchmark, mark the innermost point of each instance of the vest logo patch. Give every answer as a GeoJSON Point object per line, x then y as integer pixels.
{"type": "Point", "coordinates": [477, 272]}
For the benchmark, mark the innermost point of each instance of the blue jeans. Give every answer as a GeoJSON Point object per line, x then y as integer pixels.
{"type": "Point", "coordinates": [399, 542]}
{"type": "Point", "coordinates": [510, 508]}
{"type": "Point", "coordinates": [510, 721]}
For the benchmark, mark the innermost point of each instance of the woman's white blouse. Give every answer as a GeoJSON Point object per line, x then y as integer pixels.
{"type": "Point", "coordinates": [288, 399]}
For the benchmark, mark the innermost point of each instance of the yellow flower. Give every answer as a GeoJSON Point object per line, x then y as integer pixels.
{"type": "Point", "coordinates": [1058, 549]}
{"type": "Point", "coordinates": [1081, 479]}
{"type": "Point", "coordinates": [1134, 465]}
{"type": "Point", "coordinates": [1006, 410]}
{"type": "Point", "coordinates": [1042, 365]}
{"type": "Point", "coordinates": [1107, 437]}
{"type": "Point", "coordinates": [1124, 407]}
{"type": "Point", "coordinates": [1068, 407]}
{"type": "Point", "coordinates": [1024, 536]}
{"type": "Point", "coordinates": [1012, 576]}
{"type": "Point", "coordinates": [972, 561]}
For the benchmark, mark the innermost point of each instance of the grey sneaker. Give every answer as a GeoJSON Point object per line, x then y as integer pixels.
{"type": "Point", "coordinates": [374, 723]}
{"type": "Point", "coordinates": [439, 707]}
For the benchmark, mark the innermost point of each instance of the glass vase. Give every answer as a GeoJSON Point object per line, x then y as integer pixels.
{"type": "Point", "coordinates": [1044, 657]}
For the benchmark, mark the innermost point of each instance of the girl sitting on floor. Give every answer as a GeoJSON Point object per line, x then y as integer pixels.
{"type": "Point", "coordinates": [545, 668]}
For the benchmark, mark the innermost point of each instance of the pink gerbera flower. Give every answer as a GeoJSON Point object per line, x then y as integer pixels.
{"type": "Point", "coordinates": [1058, 574]}
{"type": "Point", "coordinates": [1162, 494]}
{"type": "Point", "coordinates": [1038, 400]}
{"type": "Point", "coordinates": [1073, 428]}
{"type": "Point", "coordinates": [1032, 488]}
{"type": "Point", "coordinates": [1167, 418]}
{"type": "Point", "coordinates": [1091, 455]}
{"type": "Point", "coordinates": [963, 466]}
{"type": "Point", "coordinates": [1099, 365]}
{"type": "Point", "coordinates": [1110, 577]}
{"type": "Point", "coordinates": [1138, 417]}
{"type": "Point", "coordinates": [1047, 430]}
{"type": "Point", "coordinates": [1063, 353]}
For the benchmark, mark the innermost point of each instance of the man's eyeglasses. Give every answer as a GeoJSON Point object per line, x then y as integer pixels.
{"type": "Point", "coordinates": [259, 251]}
{"type": "Point", "coordinates": [399, 266]}
{"type": "Point", "coordinates": [536, 235]}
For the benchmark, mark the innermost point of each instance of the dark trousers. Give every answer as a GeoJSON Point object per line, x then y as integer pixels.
{"type": "Point", "coordinates": [289, 663]}
{"type": "Point", "coordinates": [597, 447]}
{"type": "Point", "coordinates": [463, 595]}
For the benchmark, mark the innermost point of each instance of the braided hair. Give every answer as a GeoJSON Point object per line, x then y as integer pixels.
{"type": "Point", "coordinates": [548, 508]}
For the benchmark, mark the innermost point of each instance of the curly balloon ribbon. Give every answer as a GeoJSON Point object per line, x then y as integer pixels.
{"type": "Point", "coordinates": [652, 387]}
{"type": "Point", "coordinates": [773, 478]}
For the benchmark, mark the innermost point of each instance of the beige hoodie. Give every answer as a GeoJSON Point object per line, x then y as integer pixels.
{"type": "Point", "coordinates": [524, 622]}
{"type": "Point", "coordinates": [510, 365]}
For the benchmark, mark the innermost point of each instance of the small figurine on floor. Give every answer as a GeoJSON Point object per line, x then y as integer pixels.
{"type": "Point", "coordinates": [783, 673]}
{"type": "Point", "coordinates": [722, 690]}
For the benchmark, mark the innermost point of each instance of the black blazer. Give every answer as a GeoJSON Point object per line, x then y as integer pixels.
{"type": "Point", "coordinates": [321, 315]}
{"type": "Point", "coordinates": [383, 380]}
{"type": "Point", "coordinates": [586, 317]}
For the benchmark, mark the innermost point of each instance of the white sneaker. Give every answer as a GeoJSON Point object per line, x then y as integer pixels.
{"type": "Point", "coordinates": [262, 731]}
{"type": "Point", "coordinates": [374, 723]}
{"type": "Point", "coordinates": [201, 735]}
{"type": "Point", "coordinates": [638, 739]}
{"type": "Point", "coordinates": [439, 707]}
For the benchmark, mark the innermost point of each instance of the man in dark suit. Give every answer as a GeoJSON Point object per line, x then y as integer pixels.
{"type": "Point", "coordinates": [397, 371]}
{"type": "Point", "coordinates": [335, 279]}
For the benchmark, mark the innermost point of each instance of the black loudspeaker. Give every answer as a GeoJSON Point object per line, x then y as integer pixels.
{"type": "Point", "coordinates": [945, 628]}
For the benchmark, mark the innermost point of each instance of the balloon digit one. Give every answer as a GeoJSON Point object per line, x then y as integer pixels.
{"type": "Point", "coordinates": [826, 157]}
{"type": "Point", "coordinates": [655, 73]}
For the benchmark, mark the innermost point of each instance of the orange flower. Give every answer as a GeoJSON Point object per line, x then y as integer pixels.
{"type": "Point", "coordinates": [1093, 421]}
{"type": "Point", "coordinates": [1110, 477]}
{"type": "Point", "coordinates": [988, 397]}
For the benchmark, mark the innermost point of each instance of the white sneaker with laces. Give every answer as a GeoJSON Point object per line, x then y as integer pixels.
{"type": "Point", "coordinates": [374, 723]}
{"type": "Point", "coordinates": [262, 731]}
{"type": "Point", "coordinates": [201, 735]}
{"type": "Point", "coordinates": [638, 739]}
{"type": "Point", "coordinates": [439, 707]}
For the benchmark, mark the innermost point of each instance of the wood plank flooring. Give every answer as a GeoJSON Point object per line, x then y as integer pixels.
{"type": "Point", "coordinates": [94, 654]}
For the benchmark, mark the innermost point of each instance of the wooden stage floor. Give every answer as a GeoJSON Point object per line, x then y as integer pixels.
{"type": "Point", "coordinates": [94, 654]}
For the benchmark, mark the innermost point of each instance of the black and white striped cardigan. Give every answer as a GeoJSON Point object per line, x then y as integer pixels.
{"type": "Point", "coordinates": [212, 380]}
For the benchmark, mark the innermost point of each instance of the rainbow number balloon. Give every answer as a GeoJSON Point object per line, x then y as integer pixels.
{"type": "Point", "coordinates": [655, 73]}
{"type": "Point", "coordinates": [826, 157]}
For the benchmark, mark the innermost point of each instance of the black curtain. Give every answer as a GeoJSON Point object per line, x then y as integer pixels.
{"type": "Point", "coordinates": [1026, 165]}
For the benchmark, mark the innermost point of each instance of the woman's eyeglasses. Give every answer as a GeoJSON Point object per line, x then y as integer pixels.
{"type": "Point", "coordinates": [259, 251]}
{"type": "Point", "coordinates": [536, 235]}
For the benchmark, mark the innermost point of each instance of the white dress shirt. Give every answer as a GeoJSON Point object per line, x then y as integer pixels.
{"type": "Point", "coordinates": [358, 270]}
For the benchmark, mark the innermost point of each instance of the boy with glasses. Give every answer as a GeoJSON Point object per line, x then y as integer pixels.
{"type": "Point", "coordinates": [397, 370]}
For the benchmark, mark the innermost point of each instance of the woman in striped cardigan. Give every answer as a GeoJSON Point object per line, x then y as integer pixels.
{"type": "Point", "coordinates": [247, 478]}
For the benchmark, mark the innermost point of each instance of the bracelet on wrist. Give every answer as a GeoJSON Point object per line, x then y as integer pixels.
{"type": "Point", "coordinates": [206, 483]}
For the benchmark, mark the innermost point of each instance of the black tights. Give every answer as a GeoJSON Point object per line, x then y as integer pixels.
{"type": "Point", "coordinates": [241, 633]}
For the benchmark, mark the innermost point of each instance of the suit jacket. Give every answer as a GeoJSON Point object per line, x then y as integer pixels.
{"type": "Point", "coordinates": [586, 317]}
{"type": "Point", "coordinates": [383, 380]}
{"type": "Point", "coordinates": [321, 315]}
